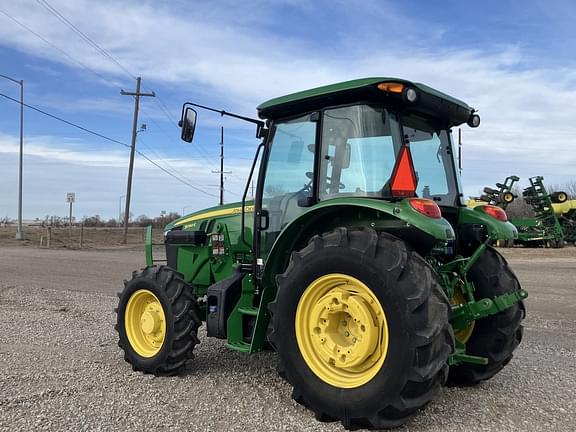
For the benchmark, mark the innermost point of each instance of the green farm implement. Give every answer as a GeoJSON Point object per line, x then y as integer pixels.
{"type": "Point", "coordinates": [503, 195]}
{"type": "Point", "coordinates": [357, 261]}
{"type": "Point", "coordinates": [546, 229]}
{"type": "Point", "coordinates": [566, 214]}
{"type": "Point", "coordinates": [553, 222]}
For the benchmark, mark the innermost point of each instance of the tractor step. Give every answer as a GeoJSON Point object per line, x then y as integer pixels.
{"type": "Point", "coordinates": [239, 346]}
{"type": "Point", "coordinates": [248, 310]}
{"type": "Point", "coordinates": [460, 357]}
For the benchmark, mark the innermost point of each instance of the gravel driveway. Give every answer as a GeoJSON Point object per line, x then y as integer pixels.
{"type": "Point", "coordinates": [60, 367]}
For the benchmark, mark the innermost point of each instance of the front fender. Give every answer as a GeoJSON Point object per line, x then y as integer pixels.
{"type": "Point", "coordinates": [330, 214]}
{"type": "Point", "coordinates": [497, 230]}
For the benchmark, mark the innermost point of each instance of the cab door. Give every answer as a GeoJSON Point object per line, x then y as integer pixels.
{"type": "Point", "coordinates": [287, 187]}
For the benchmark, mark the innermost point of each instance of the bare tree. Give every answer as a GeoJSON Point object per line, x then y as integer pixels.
{"type": "Point", "coordinates": [569, 187]}
{"type": "Point", "coordinates": [519, 208]}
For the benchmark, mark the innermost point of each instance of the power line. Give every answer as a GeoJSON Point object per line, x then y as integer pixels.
{"type": "Point", "coordinates": [82, 35]}
{"type": "Point", "coordinates": [70, 57]}
{"type": "Point", "coordinates": [61, 51]}
{"type": "Point", "coordinates": [163, 131]}
{"type": "Point", "coordinates": [173, 175]}
{"type": "Point", "coordinates": [166, 111]}
{"type": "Point", "coordinates": [52, 10]}
{"type": "Point", "coordinates": [103, 52]}
{"type": "Point", "coordinates": [67, 122]}
{"type": "Point", "coordinates": [82, 128]}
{"type": "Point", "coordinates": [82, 65]}
{"type": "Point", "coordinates": [202, 153]}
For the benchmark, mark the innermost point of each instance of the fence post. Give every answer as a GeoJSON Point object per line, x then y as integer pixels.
{"type": "Point", "coordinates": [49, 239]}
{"type": "Point", "coordinates": [81, 234]}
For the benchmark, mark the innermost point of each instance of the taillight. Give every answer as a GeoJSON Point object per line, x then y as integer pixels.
{"type": "Point", "coordinates": [426, 207]}
{"type": "Point", "coordinates": [495, 212]}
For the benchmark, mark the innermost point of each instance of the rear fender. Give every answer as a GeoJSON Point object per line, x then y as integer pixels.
{"type": "Point", "coordinates": [497, 230]}
{"type": "Point", "coordinates": [398, 218]}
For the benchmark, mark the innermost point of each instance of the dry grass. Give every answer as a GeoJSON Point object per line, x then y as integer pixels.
{"type": "Point", "coordinates": [35, 236]}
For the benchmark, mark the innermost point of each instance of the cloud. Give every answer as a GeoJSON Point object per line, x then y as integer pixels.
{"type": "Point", "coordinates": [54, 166]}
{"type": "Point", "coordinates": [236, 54]}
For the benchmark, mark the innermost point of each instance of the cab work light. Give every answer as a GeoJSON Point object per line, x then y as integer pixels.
{"type": "Point", "coordinates": [410, 95]}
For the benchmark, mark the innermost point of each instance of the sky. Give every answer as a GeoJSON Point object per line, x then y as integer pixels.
{"type": "Point", "coordinates": [513, 61]}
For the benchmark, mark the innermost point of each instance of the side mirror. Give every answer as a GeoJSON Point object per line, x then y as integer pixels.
{"type": "Point", "coordinates": [188, 124]}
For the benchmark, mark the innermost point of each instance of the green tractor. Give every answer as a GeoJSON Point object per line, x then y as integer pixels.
{"type": "Point", "coordinates": [357, 261]}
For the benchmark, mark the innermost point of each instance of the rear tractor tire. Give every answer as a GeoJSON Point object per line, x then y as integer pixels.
{"type": "Point", "coordinates": [360, 324]}
{"type": "Point", "coordinates": [496, 336]}
{"type": "Point", "coordinates": [157, 321]}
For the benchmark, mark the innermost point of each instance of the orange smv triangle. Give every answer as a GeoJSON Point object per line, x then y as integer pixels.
{"type": "Point", "coordinates": [403, 182]}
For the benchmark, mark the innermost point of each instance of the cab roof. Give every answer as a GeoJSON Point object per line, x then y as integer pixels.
{"type": "Point", "coordinates": [364, 89]}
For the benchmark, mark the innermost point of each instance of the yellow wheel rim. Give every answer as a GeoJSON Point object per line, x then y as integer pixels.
{"type": "Point", "coordinates": [508, 197]}
{"type": "Point", "coordinates": [341, 330]}
{"type": "Point", "coordinates": [145, 323]}
{"type": "Point", "coordinates": [462, 335]}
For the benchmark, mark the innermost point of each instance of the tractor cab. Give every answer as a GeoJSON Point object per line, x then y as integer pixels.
{"type": "Point", "coordinates": [378, 142]}
{"type": "Point", "coordinates": [375, 138]}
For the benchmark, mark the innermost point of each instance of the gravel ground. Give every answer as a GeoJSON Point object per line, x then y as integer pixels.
{"type": "Point", "coordinates": [60, 367]}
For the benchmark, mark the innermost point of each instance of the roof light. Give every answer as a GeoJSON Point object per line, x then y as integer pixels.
{"type": "Point", "coordinates": [495, 212]}
{"type": "Point", "coordinates": [474, 120]}
{"type": "Point", "coordinates": [410, 95]}
{"type": "Point", "coordinates": [403, 181]}
{"type": "Point", "coordinates": [391, 87]}
{"type": "Point", "coordinates": [426, 207]}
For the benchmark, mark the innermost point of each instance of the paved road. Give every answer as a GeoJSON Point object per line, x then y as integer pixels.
{"type": "Point", "coordinates": [60, 368]}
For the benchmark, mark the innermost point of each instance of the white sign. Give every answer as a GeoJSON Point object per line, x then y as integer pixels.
{"type": "Point", "coordinates": [70, 197]}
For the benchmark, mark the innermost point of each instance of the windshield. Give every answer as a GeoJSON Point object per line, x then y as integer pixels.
{"type": "Point", "coordinates": [433, 161]}
{"type": "Point", "coordinates": [359, 148]}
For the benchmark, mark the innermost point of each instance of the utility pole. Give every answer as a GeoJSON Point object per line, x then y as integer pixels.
{"type": "Point", "coordinates": [19, 233]}
{"type": "Point", "coordinates": [221, 172]}
{"type": "Point", "coordinates": [136, 95]}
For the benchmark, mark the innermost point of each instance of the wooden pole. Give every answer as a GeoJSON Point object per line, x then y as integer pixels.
{"type": "Point", "coordinates": [136, 95]}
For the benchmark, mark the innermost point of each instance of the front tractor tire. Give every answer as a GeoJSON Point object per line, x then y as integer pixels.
{"type": "Point", "coordinates": [360, 324]}
{"type": "Point", "coordinates": [157, 321]}
{"type": "Point", "coordinates": [495, 336]}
